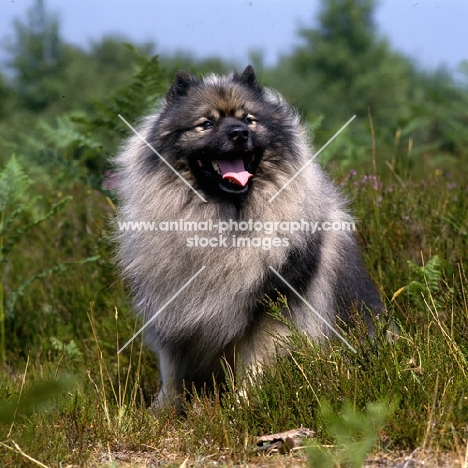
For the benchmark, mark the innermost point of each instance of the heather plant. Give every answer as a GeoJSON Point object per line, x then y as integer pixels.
{"type": "Point", "coordinates": [19, 215]}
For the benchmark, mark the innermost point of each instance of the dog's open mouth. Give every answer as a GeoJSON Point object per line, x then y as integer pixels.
{"type": "Point", "coordinates": [233, 172]}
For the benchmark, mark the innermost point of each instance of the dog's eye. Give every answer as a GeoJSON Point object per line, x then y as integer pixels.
{"type": "Point", "coordinates": [207, 124]}
{"type": "Point", "coordinates": [249, 120]}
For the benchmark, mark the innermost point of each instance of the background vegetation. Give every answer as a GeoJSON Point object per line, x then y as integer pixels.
{"type": "Point", "coordinates": [66, 397]}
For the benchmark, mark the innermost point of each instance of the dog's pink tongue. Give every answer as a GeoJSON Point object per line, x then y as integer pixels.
{"type": "Point", "coordinates": [234, 170]}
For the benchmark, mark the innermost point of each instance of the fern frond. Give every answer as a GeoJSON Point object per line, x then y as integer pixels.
{"type": "Point", "coordinates": [13, 183]}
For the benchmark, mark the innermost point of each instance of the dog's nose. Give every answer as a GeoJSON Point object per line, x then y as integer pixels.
{"type": "Point", "coordinates": [238, 134]}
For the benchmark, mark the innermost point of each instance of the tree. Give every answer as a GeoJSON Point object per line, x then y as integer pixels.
{"type": "Point", "coordinates": [37, 58]}
{"type": "Point", "coordinates": [344, 68]}
{"type": "Point", "coordinates": [6, 98]}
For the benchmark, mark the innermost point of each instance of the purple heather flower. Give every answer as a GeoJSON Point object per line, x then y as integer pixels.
{"type": "Point", "coordinates": [110, 180]}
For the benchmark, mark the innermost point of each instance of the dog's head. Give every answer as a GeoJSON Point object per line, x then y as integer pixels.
{"type": "Point", "coordinates": [219, 129]}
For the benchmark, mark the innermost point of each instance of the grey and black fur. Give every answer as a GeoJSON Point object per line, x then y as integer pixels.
{"type": "Point", "coordinates": [221, 315]}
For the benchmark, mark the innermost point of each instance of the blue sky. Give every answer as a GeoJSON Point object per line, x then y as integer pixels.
{"type": "Point", "coordinates": [432, 32]}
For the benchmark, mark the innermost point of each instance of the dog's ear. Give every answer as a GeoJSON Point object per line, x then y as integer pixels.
{"type": "Point", "coordinates": [248, 78]}
{"type": "Point", "coordinates": [182, 83]}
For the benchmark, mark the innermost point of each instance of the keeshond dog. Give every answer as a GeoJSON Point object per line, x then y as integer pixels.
{"type": "Point", "coordinates": [218, 150]}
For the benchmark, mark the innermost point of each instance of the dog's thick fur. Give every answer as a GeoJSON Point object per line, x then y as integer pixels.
{"type": "Point", "coordinates": [221, 315]}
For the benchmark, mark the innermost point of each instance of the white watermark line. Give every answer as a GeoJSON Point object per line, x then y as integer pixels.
{"type": "Point", "coordinates": [314, 156]}
{"type": "Point", "coordinates": [161, 309]}
{"type": "Point", "coordinates": [162, 159]}
{"type": "Point", "coordinates": [319, 316]}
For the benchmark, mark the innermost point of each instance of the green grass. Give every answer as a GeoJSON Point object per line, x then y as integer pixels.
{"type": "Point", "coordinates": [67, 398]}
